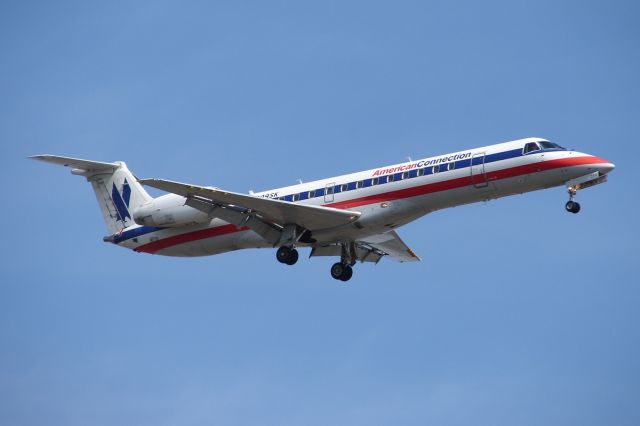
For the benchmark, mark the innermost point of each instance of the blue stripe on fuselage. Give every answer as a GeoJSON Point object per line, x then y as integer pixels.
{"type": "Point", "coordinates": [135, 232]}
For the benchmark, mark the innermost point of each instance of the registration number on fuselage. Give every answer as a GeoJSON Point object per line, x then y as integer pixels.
{"type": "Point", "coordinates": [269, 195]}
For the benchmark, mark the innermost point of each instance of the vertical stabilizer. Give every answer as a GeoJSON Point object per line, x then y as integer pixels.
{"type": "Point", "coordinates": [117, 189]}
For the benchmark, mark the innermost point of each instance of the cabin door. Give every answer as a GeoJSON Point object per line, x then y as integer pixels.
{"type": "Point", "coordinates": [478, 174]}
{"type": "Point", "coordinates": [328, 192]}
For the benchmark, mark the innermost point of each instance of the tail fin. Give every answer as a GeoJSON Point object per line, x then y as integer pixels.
{"type": "Point", "coordinates": [117, 189]}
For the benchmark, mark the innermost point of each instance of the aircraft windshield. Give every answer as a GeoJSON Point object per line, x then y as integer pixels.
{"type": "Point", "coordinates": [550, 145]}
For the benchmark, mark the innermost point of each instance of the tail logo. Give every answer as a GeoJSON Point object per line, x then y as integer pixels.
{"type": "Point", "coordinates": [121, 200]}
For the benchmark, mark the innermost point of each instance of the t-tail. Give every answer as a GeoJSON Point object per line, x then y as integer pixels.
{"type": "Point", "coordinates": [117, 189]}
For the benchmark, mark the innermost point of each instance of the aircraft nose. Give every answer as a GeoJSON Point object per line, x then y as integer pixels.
{"type": "Point", "coordinates": [605, 168]}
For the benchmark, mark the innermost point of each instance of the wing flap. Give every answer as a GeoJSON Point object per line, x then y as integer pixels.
{"type": "Point", "coordinates": [392, 245]}
{"type": "Point", "coordinates": [372, 249]}
{"type": "Point", "coordinates": [362, 253]}
{"type": "Point", "coordinates": [276, 211]}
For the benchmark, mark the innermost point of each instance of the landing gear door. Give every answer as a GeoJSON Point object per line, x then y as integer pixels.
{"type": "Point", "coordinates": [478, 174]}
{"type": "Point", "coordinates": [328, 192]}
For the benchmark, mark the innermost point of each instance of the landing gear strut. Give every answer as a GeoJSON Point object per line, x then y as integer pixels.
{"type": "Point", "coordinates": [287, 255]}
{"type": "Point", "coordinates": [343, 270]}
{"type": "Point", "coordinates": [572, 206]}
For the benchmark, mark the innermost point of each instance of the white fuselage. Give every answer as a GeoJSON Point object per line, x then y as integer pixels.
{"type": "Point", "coordinates": [387, 197]}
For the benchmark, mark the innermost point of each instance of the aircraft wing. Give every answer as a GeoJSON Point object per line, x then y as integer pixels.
{"type": "Point", "coordinates": [276, 211]}
{"type": "Point", "coordinates": [372, 249]}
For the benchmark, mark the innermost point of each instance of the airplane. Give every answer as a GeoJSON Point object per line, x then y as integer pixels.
{"type": "Point", "coordinates": [353, 216]}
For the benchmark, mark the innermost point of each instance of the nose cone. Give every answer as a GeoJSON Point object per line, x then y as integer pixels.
{"type": "Point", "coordinates": [606, 167]}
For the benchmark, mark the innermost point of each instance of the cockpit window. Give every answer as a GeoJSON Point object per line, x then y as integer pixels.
{"type": "Point", "coordinates": [550, 145]}
{"type": "Point", "coordinates": [531, 147]}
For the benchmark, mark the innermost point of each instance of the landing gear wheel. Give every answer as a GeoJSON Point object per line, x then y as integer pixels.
{"type": "Point", "coordinates": [348, 273]}
{"type": "Point", "coordinates": [572, 207]}
{"type": "Point", "coordinates": [337, 270]}
{"type": "Point", "coordinates": [342, 272]}
{"type": "Point", "coordinates": [293, 257]}
{"type": "Point", "coordinates": [283, 254]}
{"type": "Point", "coordinates": [287, 255]}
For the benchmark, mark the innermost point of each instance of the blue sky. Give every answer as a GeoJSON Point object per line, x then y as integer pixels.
{"type": "Point", "coordinates": [504, 321]}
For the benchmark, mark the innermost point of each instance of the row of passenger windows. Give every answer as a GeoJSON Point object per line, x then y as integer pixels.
{"type": "Point", "coordinates": [528, 148]}
{"type": "Point", "coordinates": [368, 182]}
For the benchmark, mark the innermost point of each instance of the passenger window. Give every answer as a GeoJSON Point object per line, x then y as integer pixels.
{"type": "Point", "coordinates": [531, 147]}
{"type": "Point", "coordinates": [435, 169]}
{"type": "Point", "coordinates": [345, 187]}
{"type": "Point", "coordinates": [420, 172]}
{"type": "Point", "coordinates": [296, 197]}
{"type": "Point", "coordinates": [390, 178]}
{"type": "Point", "coordinates": [359, 184]}
{"type": "Point", "coordinates": [330, 190]}
{"type": "Point", "coordinates": [405, 175]}
{"type": "Point", "coordinates": [451, 166]}
{"type": "Point", "coordinates": [374, 181]}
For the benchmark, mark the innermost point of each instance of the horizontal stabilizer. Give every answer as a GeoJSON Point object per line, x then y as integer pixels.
{"type": "Point", "coordinates": [76, 163]}
{"type": "Point", "coordinates": [117, 191]}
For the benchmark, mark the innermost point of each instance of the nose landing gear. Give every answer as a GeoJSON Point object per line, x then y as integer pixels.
{"type": "Point", "coordinates": [572, 206]}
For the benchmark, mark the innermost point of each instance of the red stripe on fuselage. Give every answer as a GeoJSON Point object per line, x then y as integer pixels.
{"type": "Point", "coordinates": [466, 181]}
{"type": "Point", "coordinates": [188, 237]}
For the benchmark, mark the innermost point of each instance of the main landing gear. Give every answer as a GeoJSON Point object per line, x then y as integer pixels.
{"type": "Point", "coordinates": [572, 206]}
{"type": "Point", "coordinates": [287, 255]}
{"type": "Point", "coordinates": [342, 272]}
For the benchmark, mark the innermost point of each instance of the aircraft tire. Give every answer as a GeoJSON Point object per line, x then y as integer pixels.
{"type": "Point", "coordinates": [347, 274]}
{"type": "Point", "coordinates": [572, 207]}
{"type": "Point", "coordinates": [283, 254]}
{"type": "Point", "coordinates": [337, 270]}
{"type": "Point", "coordinates": [293, 257]}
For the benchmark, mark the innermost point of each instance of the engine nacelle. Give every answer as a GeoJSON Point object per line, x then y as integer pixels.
{"type": "Point", "coordinates": [168, 211]}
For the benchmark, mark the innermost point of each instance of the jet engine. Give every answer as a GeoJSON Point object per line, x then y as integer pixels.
{"type": "Point", "coordinates": [168, 211]}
